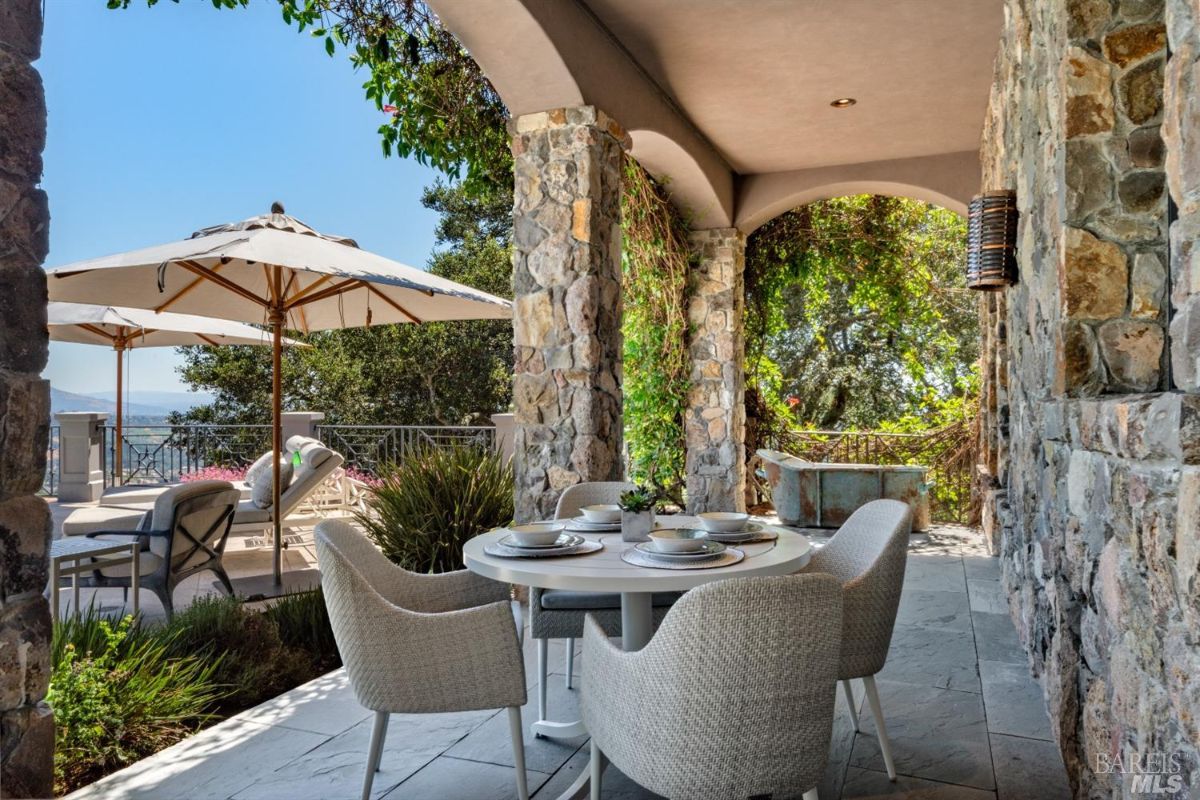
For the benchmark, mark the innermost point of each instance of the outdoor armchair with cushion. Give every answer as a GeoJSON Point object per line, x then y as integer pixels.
{"type": "Point", "coordinates": [420, 644]}
{"type": "Point", "coordinates": [184, 534]}
{"type": "Point", "coordinates": [732, 698]}
{"type": "Point", "coordinates": [868, 556]}
{"type": "Point", "coordinates": [560, 613]}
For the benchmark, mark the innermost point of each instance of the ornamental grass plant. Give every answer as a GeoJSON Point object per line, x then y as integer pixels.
{"type": "Point", "coordinates": [428, 504]}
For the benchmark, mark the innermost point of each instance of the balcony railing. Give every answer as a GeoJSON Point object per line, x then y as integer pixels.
{"type": "Point", "coordinates": [949, 452]}
{"type": "Point", "coordinates": [369, 447]}
{"type": "Point", "coordinates": [165, 453]}
{"type": "Point", "coordinates": [50, 479]}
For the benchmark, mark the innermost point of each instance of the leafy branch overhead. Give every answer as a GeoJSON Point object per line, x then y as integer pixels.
{"type": "Point", "coordinates": [443, 110]}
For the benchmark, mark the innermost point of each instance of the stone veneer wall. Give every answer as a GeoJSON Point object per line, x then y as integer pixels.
{"type": "Point", "coordinates": [1090, 445]}
{"type": "Point", "coordinates": [567, 306]}
{"type": "Point", "coordinates": [26, 723]}
{"type": "Point", "coordinates": [715, 425]}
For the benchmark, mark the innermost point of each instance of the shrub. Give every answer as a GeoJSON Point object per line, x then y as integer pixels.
{"type": "Point", "coordinates": [435, 499]}
{"type": "Point", "coordinates": [244, 647]}
{"type": "Point", "coordinates": [303, 623]}
{"type": "Point", "coordinates": [118, 696]}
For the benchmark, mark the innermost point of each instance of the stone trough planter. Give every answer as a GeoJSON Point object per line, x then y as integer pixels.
{"type": "Point", "coordinates": [810, 494]}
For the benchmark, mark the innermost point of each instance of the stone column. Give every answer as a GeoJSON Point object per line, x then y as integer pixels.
{"type": "Point", "coordinates": [80, 440]}
{"type": "Point", "coordinates": [26, 723]}
{"type": "Point", "coordinates": [567, 306]}
{"type": "Point", "coordinates": [716, 416]}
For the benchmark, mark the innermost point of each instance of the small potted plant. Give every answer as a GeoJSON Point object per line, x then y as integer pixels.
{"type": "Point", "coordinates": [637, 514]}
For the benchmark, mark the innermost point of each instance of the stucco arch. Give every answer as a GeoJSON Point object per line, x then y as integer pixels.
{"type": "Point", "coordinates": [688, 186]}
{"type": "Point", "coordinates": [945, 180]}
{"type": "Point", "coordinates": [515, 52]}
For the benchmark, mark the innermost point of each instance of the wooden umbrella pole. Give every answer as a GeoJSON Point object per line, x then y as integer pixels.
{"type": "Point", "coordinates": [119, 444]}
{"type": "Point", "coordinates": [277, 321]}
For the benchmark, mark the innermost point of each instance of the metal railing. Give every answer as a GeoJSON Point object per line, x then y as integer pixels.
{"type": "Point", "coordinates": [165, 453]}
{"type": "Point", "coordinates": [368, 447]}
{"type": "Point", "coordinates": [50, 479]}
{"type": "Point", "coordinates": [949, 452]}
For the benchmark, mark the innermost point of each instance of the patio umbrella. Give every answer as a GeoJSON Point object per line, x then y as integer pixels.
{"type": "Point", "coordinates": [124, 329]}
{"type": "Point", "coordinates": [275, 270]}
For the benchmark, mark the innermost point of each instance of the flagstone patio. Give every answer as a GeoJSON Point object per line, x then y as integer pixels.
{"type": "Point", "coordinates": [965, 717]}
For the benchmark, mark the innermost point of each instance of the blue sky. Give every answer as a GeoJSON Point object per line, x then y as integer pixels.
{"type": "Point", "coordinates": [165, 120]}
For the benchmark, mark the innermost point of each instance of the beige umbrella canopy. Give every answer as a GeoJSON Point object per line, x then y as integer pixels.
{"type": "Point", "coordinates": [125, 329]}
{"type": "Point", "coordinates": [273, 269]}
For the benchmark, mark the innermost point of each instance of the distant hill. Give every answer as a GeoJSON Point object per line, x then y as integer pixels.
{"type": "Point", "coordinates": [165, 401]}
{"type": "Point", "coordinates": [69, 401]}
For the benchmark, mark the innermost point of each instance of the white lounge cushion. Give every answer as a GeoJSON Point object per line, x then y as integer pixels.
{"type": "Point", "coordinates": [247, 512]}
{"type": "Point", "coordinates": [148, 562]}
{"type": "Point", "coordinates": [262, 490]}
{"type": "Point", "coordinates": [101, 518]}
{"type": "Point", "coordinates": [260, 467]}
{"type": "Point", "coordinates": [132, 496]}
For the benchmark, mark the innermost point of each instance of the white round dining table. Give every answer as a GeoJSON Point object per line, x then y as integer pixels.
{"type": "Point", "coordinates": [604, 571]}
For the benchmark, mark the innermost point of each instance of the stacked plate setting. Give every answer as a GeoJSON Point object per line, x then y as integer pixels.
{"type": "Point", "coordinates": [732, 527]}
{"type": "Point", "coordinates": [541, 539]}
{"type": "Point", "coordinates": [706, 550]}
{"type": "Point", "coordinates": [596, 519]}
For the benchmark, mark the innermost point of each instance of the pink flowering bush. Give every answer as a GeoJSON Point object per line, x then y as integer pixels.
{"type": "Point", "coordinates": [367, 478]}
{"type": "Point", "coordinates": [214, 473]}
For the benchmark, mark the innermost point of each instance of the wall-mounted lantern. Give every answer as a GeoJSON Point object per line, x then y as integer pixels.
{"type": "Point", "coordinates": [992, 240]}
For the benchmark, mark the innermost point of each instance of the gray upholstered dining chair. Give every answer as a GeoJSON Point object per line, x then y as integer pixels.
{"type": "Point", "coordinates": [182, 535]}
{"type": "Point", "coordinates": [420, 644]}
{"type": "Point", "coordinates": [559, 613]}
{"type": "Point", "coordinates": [733, 697]}
{"type": "Point", "coordinates": [868, 555]}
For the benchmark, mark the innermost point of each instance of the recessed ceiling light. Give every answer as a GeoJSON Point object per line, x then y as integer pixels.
{"type": "Point", "coordinates": [843, 102]}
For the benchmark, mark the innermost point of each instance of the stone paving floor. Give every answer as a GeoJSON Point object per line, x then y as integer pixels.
{"type": "Point", "coordinates": [967, 721]}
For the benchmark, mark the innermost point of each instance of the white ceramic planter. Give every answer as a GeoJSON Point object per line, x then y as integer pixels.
{"type": "Point", "coordinates": [636, 527]}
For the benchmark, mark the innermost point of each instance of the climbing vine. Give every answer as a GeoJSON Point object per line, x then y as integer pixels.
{"type": "Point", "coordinates": [654, 264]}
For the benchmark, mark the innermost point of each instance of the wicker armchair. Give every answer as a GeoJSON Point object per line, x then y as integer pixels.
{"type": "Point", "coordinates": [732, 698]}
{"type": "Point", "coordinates": [559, 613]}
{"type": "Point", "coordinates": [182, 535]}
{"type": "Point", "coordinates": [419, 643]}
{"type": "Point", "coordinates": [868, 555]}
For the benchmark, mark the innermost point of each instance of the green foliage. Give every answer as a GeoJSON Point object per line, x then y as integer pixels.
{"type": "Point", "coordinates": [654, 262]}
{"type": "Point", "coordinates": [248, 657]}
{"type": "Point", "coordinates": [857, 314]}
{"type": "Point", "coordinates": [119, 695]}
{"type": "Point", "coordinates": [435, 499]}
{"type": "Point", "coordinates": [437, 373]}
{"type": "Point", "coordinates": [303, 622]}
{"type": "Point", "coordinates": [122, 692]}
{"type": "Point", "coordinates": [443, 110]}
{"type": "Point", "coordinates": [635, 501]}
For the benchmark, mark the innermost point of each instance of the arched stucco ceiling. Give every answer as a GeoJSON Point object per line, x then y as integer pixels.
{"type": "Point", "coordinates": [687, 185]}
{"type": "Point", "coordinates": [731, 100]}
{"type": "Point", "coordinates": [514, 51]}
{"type": "Point", "coordinates": [947, 180]}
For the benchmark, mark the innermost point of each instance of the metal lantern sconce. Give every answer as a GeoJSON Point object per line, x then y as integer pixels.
{"type": "Point", "coordinates": [992, 240]}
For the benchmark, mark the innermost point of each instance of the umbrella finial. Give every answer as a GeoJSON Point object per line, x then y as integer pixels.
{"type": "Point", "coordinates": [277, 207]}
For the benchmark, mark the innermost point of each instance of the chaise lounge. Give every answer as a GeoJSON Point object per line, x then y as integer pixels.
{"type": "Point", "coordinates": [125, 510]}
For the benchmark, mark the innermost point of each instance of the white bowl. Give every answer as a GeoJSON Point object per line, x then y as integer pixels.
{"type": "Point", "coordinates": [603, 513]}
{"type": "Point", "coordinates": [723, 521]}
{"type": "Point", "coordinates": [678, 540]}
{"type": "Point", "coordinates": [537, 534]}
